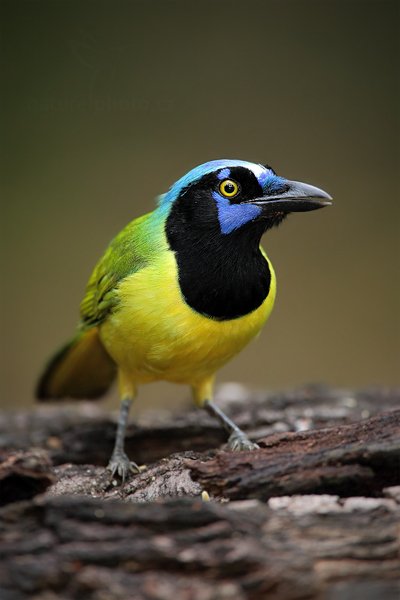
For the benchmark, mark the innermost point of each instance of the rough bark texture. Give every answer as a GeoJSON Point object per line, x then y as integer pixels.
{"type": "Point", "coordinates": [357, 459]}
{"type": "Point", "coordinates": [315, 513]}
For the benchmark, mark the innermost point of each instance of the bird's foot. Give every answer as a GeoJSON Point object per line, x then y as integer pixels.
{"type": "Point", "coordinates": [121, 465]}
{"type": "Point", "coordinates": [240, 441]}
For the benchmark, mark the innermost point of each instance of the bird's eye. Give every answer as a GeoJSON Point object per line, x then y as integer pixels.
{"type": "Point", "coordinates": [229, 188]}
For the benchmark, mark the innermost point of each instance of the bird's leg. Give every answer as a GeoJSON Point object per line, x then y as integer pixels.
{"type": "Point", "coordinates": [202, 391]}
{"type": "Point", "coordinates": [238, 440]}
{"type": "Point", "coordinates": [119, 462]}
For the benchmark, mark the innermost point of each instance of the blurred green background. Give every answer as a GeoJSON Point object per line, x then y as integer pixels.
{"type": "Point", "coordinates": [105, 104]}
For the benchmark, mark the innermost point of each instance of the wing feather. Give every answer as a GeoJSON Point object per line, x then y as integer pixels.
{"type": "Point", "coordinates": [129, 252]}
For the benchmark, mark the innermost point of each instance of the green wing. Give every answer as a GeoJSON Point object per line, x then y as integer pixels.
{"type": "Point", "coordinates": [129, 251]}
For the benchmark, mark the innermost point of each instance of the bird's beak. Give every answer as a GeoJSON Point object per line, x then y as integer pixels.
{"type": "Point", "coordinates": [294, 197]}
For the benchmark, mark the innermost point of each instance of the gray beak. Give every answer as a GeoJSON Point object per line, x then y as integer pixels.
{"type": "Point", "coordinates": [296, 197]}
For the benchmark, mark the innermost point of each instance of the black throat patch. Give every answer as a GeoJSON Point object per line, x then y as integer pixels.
{"type": "Point", "coordinates": [221, 276]}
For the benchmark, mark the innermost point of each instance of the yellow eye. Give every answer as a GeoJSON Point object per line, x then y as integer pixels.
{"type": "Point", "coordinates": [229, 188]}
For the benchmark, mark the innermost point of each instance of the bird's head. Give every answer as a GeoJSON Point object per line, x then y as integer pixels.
{"type": "Point", "coordinates": [232, 195]}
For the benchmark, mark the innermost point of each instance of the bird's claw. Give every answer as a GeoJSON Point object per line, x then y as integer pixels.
{"type": "Point", "coordinates": [121, 465]}
{"type": "Point", "coordinates": [240, 441]}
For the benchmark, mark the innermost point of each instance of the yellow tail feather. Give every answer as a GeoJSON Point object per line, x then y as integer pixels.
{"type": "Point", "coordinates": [81, 369]}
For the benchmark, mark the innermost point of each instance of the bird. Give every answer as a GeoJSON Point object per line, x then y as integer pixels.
{"type": "Point", "coordinates": [179, 292]}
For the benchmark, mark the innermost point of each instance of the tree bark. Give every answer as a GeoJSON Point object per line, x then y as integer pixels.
{"type": "Point", "coordinates": [315, 513]}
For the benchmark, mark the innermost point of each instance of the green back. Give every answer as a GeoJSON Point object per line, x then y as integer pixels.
{"type": "Point", "coordinates": [131, 250]}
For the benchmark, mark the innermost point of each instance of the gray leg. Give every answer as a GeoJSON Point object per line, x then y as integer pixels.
{"type": "Point", "coordinates": [238, 440]}
{"type": "Point", "coordinates": [119, 463]}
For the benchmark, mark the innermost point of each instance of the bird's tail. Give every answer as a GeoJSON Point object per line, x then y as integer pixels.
{"type": "Point", "coordinates": [80, 369]}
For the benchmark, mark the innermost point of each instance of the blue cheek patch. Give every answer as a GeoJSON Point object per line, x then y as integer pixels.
{"type": "Point", "coordinates": [233, 216]}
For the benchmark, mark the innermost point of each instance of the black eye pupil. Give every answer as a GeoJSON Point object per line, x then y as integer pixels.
{"type": "Point", "coordinates": [229, 188]}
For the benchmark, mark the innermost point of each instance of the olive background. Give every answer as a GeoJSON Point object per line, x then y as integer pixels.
{"type": "Point", "coordinates": [105, 104]}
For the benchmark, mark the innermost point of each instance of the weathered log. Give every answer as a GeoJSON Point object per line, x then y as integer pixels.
{"type": "Point", "coordinates": [357, 459]}
{"type": "Point", "coordinates": [305, 547]}
{"type": "Point", "coordinates": [84, 434]}
{"type": "Point", "coordinates": [23, 475]}
{"type": "Point", "coordinates": [88, 537]}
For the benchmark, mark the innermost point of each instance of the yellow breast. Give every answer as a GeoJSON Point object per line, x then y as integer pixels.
{"type": "Point", "coordinates": [155, 335]}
